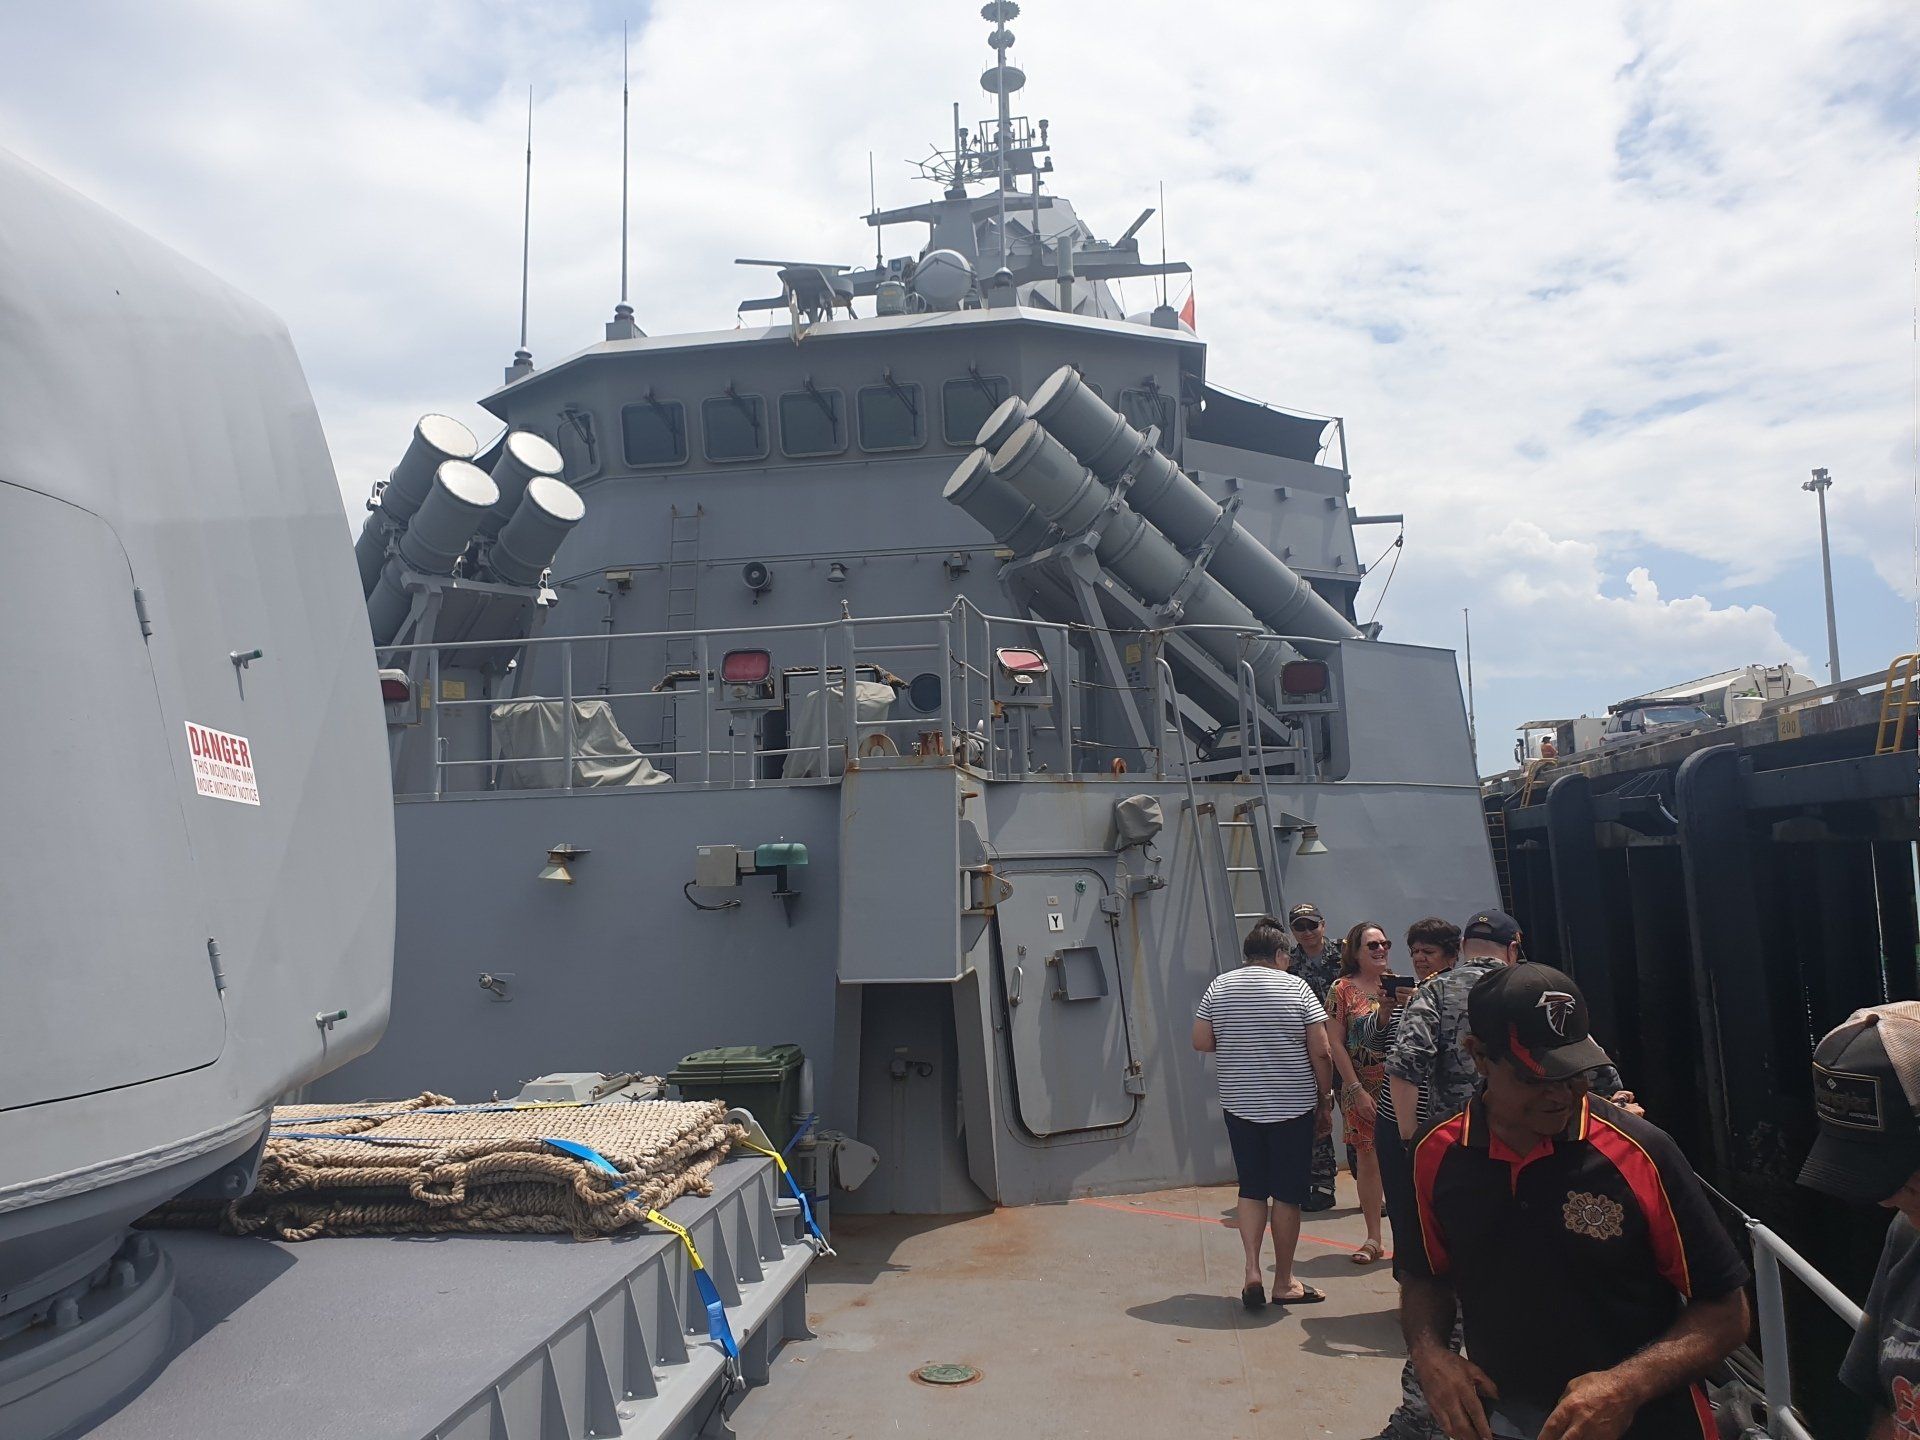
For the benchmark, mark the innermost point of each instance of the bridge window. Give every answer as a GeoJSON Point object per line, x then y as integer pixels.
{"type": "Point", "coordinates": [967, 402]}
{"type": "Point", "coordinates": [892, 417]}
{"type": "Point", "coordinates": [813, 422]}
{"type": "Point", "coordinates": [654, 432]}
{"type": "Point", "coordinates": [1150, 407]}
{"type": "Point", "coordinates": [734, 426]}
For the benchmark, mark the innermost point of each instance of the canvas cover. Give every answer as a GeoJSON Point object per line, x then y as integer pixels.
{"type": "Point", "coordinates": [525, 729]}
{"type": "Point", "coordinates": [871, 700]}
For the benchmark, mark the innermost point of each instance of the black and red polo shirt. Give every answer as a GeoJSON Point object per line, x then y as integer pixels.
{"type": "Point", "coordinates": [1572, 1258]}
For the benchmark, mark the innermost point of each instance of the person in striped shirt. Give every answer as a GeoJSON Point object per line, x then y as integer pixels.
{"type": "Point", "coordinates": [1273, 1064]}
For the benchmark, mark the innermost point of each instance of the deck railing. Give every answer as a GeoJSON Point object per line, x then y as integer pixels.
{"type": "Point", "coordinates": [715, 740]}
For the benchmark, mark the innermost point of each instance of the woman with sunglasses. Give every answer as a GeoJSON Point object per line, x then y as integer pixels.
{"type": "Point", "coordinates": [1353, 1013]}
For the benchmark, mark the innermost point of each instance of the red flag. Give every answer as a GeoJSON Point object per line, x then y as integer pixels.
{"type": "Point", "coordinates": [1186, 310]}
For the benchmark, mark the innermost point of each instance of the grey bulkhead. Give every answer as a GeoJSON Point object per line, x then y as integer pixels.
{"type": "Point", "coordinates": [930, 1041]}
{"type": "Point", "coordinates": [166, 503]}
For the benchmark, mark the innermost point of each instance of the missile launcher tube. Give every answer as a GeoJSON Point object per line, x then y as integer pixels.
{"type": "Point", "coordinates": [433, 541]}
{"type": "Point", "coordinates": [522, 456]}
{"type": "Point", "coordinates": [1007, 417]}
{"type": "Point", "coordinates": [370, 549]}
{"type": "Point", "coordinates": [1042, 469]}
{"type": "Point", "coordinates": [1002, 511]}
{"type": "Point", "coordinates": [436, 440]}
{"type": "Point", "coordinates": [1091, 430]}
{"type": "Point", "coordinates": [548, 509]}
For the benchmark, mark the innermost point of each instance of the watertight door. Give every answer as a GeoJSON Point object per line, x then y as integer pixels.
{"type": "Point", "coordinates": [1066, 1015]}
{"type": "Point", "coordinates": [104, 961]}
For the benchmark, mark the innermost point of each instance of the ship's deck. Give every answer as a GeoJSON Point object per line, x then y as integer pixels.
{"type": "Point", "coordinates": [1105, 1318]}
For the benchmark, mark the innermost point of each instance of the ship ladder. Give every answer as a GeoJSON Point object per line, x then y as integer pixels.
{"type": "Point", "coordinates": [1898, 705]}
{"type": "Point", "coordinates": [1502, 858]}
{"type": "Point", "coordinates": [1237, 853]}
{"type": "Point", "coordinates": [683, 594]}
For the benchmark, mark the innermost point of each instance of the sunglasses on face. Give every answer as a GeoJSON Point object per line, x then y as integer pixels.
{"type": "Point", "coordinates": [1306, 925]}
{"type": "Point", "coordinates": [1379, 944]}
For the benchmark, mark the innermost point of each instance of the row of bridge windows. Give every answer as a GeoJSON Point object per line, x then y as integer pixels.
{"type": "Point", "coordinates": [815, 421]}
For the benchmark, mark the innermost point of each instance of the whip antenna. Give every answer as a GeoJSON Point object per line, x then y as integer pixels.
{"type": "Point", "coordinates": [626, 129]}
{"type": "Point", "coordinates": [523, 357]}
{"type": "Point", "coordinates": [1163, 242]}
{"type": "Point", "coordinates": [621, 327]}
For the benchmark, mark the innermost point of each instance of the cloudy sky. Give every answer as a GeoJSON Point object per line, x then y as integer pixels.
{"type": "Point", "coordinates": [1594, 286]}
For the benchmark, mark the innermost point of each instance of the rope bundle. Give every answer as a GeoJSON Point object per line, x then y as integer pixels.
{"type": "Point", "coordinates": [416, 1167]}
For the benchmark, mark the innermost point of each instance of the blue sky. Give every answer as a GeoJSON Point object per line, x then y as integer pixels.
{"type": "Point", "coordinates": [1593, 286]}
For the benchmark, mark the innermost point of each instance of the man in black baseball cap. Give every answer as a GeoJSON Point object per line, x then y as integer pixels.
{"type": "Point", "coordinates": [1596, 1284]}
{"type": "Point", "coordinates": [1493, 927]}
{"type": "Point", "coordinates": [1866, 1091]}
{"type": "Point", "coordinates": [1315, 958]}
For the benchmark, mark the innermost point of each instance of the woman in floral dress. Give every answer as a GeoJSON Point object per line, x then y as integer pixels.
{"type": "Point", "coordinates": [1353, 1010]}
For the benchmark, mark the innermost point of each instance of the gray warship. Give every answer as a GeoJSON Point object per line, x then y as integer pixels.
{"type": "Point", "coordinates": [938, 679]}
{"type": "Point", "coordinates": [979, 595]}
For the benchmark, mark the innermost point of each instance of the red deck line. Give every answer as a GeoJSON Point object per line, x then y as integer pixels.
{"type": "Point", "coordinates": [1203, 1220]}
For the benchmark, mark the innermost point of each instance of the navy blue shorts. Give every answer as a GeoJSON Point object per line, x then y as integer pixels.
{"type": "Point", "coordinates": [1273, 1160]}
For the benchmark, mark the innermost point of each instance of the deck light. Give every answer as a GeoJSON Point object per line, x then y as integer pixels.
{"type": "Point", "coordinates": [745, 667]}
{"type": "Point", "coordinates": [1304, 677]}
{"type": "Point", "coordinates": [556, 867]}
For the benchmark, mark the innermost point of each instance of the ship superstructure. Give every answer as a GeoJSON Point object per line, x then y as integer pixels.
{"type": "Point", "coordinates": [941, 678]}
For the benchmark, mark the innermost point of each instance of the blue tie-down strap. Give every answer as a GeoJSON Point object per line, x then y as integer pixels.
{"type": "Point", "coordinates": [818, 1240]}
{"type": "Point", "coordinates": [718, 1329]}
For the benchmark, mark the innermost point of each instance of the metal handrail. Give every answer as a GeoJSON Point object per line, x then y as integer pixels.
{"type": "Point", "coordinates": [1770, 1255]}
{"type": "Point", "coordinates": [965, 637]}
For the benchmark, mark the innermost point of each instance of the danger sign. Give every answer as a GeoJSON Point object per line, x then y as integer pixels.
{"type": "Point", "coordinates": [222, 765]}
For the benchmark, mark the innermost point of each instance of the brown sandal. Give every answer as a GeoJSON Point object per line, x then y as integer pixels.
{"type": "Point", "coordinates": [1368, 1253]}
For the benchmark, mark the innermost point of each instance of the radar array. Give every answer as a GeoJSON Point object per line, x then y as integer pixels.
{"type": "Point", "coordinates": [1003, 148]}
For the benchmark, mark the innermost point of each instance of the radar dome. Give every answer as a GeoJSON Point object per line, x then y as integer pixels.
{"type": "Point", "coordinates": [943, 278]}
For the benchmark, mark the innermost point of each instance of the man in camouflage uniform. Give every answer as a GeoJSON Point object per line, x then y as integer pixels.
{"type": "Point", "coordinates": [1315, 958]}
{"type": "Point", "coordinates": [1432, 1076]}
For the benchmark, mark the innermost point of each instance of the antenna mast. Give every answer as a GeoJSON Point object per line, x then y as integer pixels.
{"type": "Point", "coordinates": [1163, 242]}
{"type": "Point", "coordinates": [626, 129]}
{"type": "Point", "coordinates": [523, 357]}
{"type": "Point", "coordinates": [621, 327]}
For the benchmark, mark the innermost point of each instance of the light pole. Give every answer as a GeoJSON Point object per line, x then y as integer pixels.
{"type": "Point", "coordinates": [1819, 485]}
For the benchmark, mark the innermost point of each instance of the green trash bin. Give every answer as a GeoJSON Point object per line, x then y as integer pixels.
{"type": "Point", "coordinates": [762, 1078]}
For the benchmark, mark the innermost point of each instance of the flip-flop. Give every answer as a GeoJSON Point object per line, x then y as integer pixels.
{"type": "Point", "coordinates": [1308, 1295]}
{"type": "Point", "coordinates": [1254, 1296]}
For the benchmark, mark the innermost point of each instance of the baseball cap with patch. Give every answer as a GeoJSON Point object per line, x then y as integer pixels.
{"type": "Point", "coordinates": [1306, 912]}
{"type": "Point", "coordinates": [1536, 1015]}
{"type": "Point", "coordinates": [1866, 1091]}
{"type": "Point", "coordinates": [1495, 925]}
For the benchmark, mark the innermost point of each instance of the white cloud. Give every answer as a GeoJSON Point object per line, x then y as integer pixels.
{"type": "Point", "coordinates": [1615, 274]}
{"type": "Point", "coordinates": [1552, 599]}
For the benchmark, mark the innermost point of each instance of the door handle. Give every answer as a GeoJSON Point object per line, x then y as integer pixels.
{"type": "Point", "coordinates": [1019, 975]}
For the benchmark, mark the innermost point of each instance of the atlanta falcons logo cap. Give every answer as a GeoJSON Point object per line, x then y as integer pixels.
{"type": "Point", "coordinates": [1537, 1016]}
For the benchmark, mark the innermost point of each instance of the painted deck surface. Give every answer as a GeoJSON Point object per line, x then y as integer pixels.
{"type": "Point", "coordinates": [1109, 1318]}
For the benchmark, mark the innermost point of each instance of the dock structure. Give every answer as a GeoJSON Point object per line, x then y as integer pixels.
{"type": "Point", "coordinates": [1724, 899]}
